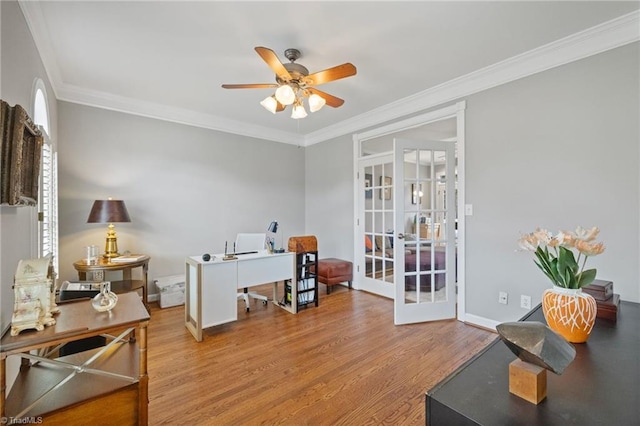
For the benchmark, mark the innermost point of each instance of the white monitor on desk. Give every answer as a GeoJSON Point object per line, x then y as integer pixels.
{"type": "Point", "coordinates": [250, 242]}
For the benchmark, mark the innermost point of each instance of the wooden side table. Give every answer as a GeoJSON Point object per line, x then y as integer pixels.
{"type": "Point", "coordinates": [108, 384]}
{"type": "Point", "coordinates": [127, 284]}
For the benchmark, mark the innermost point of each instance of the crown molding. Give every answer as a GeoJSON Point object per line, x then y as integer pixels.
{"type": "Point", "coordinates": [36, 24]}
{"type": "Point", "coordinates": [188, 117]}
{"type": "Point", "coordinates": [606, 36]}
{"type": "Point", "coordinates": [70, 93]}
{"type": "Point", "coordinates": [600, 38]}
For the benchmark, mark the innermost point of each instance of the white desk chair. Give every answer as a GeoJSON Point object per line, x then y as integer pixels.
{"type": "Point", "coordinates": [250, 242]}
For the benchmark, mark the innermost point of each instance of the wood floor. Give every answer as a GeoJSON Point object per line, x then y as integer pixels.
{"type": "Point", "coordinates": [342, 363]}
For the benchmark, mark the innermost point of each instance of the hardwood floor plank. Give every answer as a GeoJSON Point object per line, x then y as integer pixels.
{"type": "Point", "coordinates": [342, 363]}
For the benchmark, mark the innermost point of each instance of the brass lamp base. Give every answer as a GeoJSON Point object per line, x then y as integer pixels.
{"type": "Point", "coordinates": [111, 246]}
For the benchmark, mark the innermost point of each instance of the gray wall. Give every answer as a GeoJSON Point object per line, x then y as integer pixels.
{"type": "Point", "coordinates": [21, 66]}
{"type": "Point", "coordinates": [329, 197]}
{"type": "Point", "coordinates": [188, 190]}
{"type": "Point", "coordinates": [556, 150]}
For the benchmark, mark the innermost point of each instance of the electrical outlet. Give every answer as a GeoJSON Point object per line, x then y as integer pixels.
{"type": "Point", "coordinates": [525, 301]}
{"type": "Point", "coordinates": [503, 297]}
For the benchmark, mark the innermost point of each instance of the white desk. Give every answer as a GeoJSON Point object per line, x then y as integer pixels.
{"type": "Point", "coordinates": [212, 287]}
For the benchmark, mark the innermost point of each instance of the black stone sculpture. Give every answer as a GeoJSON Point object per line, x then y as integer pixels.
{"type": "Point", "coordinates": [537, 344]}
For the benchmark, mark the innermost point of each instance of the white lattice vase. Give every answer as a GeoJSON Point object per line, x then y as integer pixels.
{"type": "Point", "coordinates": [569, 312]}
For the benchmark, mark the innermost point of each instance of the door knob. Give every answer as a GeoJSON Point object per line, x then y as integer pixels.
{"type": "Point", "coordinates": [401, 236]}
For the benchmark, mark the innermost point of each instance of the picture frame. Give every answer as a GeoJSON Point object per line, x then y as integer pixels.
{"type": "Point", "coordinates": [385, 191]}
{"type": "Point", "coordinates": [368, 181]}
{"type": "Point", "coordinates": [20, 152]}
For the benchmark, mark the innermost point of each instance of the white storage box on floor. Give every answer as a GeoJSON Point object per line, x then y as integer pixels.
{"type": "Point", "coordinates": [171, 290]}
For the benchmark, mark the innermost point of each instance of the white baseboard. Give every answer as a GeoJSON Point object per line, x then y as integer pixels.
{"type": "Point", "coordinates": [154, 297]}
{"type": "Point", "coordinates": [481, 321]}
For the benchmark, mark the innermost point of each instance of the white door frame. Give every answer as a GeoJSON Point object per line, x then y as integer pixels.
{"type": "Point", "coordinates": [456, 110]}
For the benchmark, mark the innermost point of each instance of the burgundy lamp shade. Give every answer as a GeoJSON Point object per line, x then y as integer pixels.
{"type": "Point", "coordinates": [108, 211]}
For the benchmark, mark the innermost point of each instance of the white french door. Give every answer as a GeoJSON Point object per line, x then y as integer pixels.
{"type": "Point", "coordinates": [376, 221]}
{"type": "Point", "coordinates": [425, 231]}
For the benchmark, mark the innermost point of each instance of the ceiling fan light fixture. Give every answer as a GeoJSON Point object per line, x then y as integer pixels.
{"type": "Point", "coordinates": [295, 84]}
{"type": "Point", "coordinates": [270, 104]}
{"type": "Point", "coordinates": [298, 111]}
{"type": "Point", "coordinates": [285, 95]}
{"type": "Point", "coordinates": [316, 102]}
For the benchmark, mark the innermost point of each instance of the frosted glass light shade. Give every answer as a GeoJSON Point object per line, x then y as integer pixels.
{"type": "Point", "coordinates": [285, 94]}
{"type": "Point", "coordinates": [298, 112]}
{"type": "Point", "coordinates": [316, 102]}
{"type": "Point", "coordinates": [270, 104]}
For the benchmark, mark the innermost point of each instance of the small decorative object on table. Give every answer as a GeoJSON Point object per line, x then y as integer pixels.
{"type": "Point", "coordinates": [91, 255]}
{"type": "Point", "coordinates": [599, 289]}
{"type": "Point", "coordinates": [34, 303]}
{"type": "Point", "coordinates": [567, 310]}
{"type": "Point", "coordinates": [607, 301]}
{"type": "Point", "coordinates": [106, 299]}
{"type": "Point", "coordinates": [539, 349]}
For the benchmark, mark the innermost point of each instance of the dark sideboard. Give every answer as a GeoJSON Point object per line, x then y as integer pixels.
{"type": "Point", "coordinates": [600, 387]}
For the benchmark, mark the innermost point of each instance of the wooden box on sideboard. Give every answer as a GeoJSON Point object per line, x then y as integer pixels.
{"type": "Point", "coordinates": [608, 309]}
{"type": "Point", "coordinates": [599, 289]}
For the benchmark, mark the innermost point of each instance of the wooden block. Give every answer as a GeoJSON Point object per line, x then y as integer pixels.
{"type": "Point", "coordinates": [528, 381]}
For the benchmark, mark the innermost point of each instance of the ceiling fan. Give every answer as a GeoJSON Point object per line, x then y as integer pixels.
{"type": "Point", "coordinates": [294, 83]}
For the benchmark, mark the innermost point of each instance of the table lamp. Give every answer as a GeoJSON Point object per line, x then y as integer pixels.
{"type": "Point", "coordinates": [109, 211]}
{"type": "Point", "coordinates": [271, 240]}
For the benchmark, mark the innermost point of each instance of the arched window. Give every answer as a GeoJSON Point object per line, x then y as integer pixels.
{"type": "Point", "coordinates": [40, 108]}
{"type": "Point", "coordinates": [48, 185]}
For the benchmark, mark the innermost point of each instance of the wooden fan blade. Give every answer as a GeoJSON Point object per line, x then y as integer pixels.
{"type": "Point", "coordinates": [331, 74]}
{"type": "Point", "coordinates": [249, 86]}
{"type": "Point", "coordinates": [274, 63]}
{"type": "Point", "coordinates": [331, 100]}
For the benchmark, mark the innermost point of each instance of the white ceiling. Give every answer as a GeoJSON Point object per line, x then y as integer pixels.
{"type": "Point", "coordinates": [168, 59]}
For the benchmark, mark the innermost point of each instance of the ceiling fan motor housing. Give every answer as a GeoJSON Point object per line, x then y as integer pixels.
{"type": "Point", "coordinates": [297, 71]}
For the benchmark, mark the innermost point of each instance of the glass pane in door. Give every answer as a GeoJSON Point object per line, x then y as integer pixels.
{"type": "Point", "coordinates": [425, 226]}
{"type": "Point", "coordinates": [368, 221]}
{"type": "Point", "coordinates": [378, 222]}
